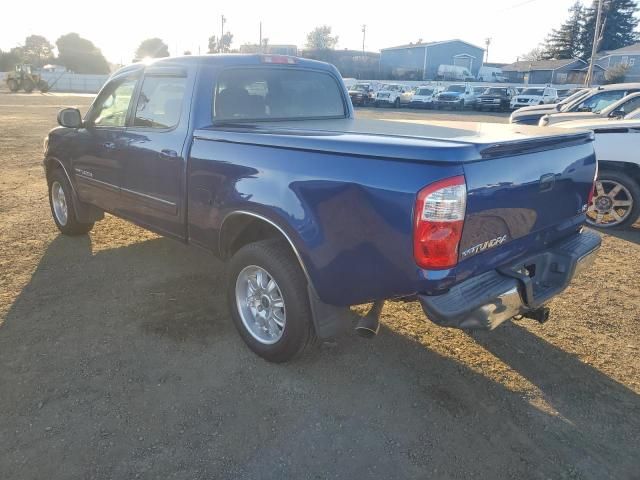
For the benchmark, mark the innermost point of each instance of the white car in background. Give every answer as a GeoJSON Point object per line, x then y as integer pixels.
{"type": "Point", "coordinates": [535, 96]}
{"type": "Point", "coordinates": [393, 94]}
{"type": "Point", "coordinates": [605, 108]}
{"type": "Point", "coordinates": [424, 96]}
{"type": "Point", "coordinates": [531, 115]}
{"type": "Point", "coordinates": [616, 200]}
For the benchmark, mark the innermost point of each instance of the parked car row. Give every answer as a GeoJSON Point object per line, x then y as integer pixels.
{"type": "Point", "coordinates": [455, 96]}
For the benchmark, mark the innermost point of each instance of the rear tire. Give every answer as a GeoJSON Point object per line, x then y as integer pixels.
{"type": "Point", "coordinates": [13, 85]}
{"type": "Point", "coordinates": [268, 299]}
{"type": "Point", "coordinates": [627, 191]}
{"type": "Point", "coordinates": [62, 207]}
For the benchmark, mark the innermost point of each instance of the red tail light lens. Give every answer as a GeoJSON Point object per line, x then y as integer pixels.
{"type": "Point", "coordinates": [438, 220]}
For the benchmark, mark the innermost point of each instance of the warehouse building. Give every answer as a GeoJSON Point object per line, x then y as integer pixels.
{"type": "Point", "coordinates": [421, 61]}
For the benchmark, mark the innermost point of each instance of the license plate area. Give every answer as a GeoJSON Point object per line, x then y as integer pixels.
{"type": "Point", "coordinates": [546, 274]}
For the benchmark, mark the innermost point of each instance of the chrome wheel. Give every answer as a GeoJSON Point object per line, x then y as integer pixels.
{"type": "Point", "coordinates": [260, 304]}
{"type": "Point", "coordinates": [59, 203]}
{"type": "Point", "coordinates": [612, 203]}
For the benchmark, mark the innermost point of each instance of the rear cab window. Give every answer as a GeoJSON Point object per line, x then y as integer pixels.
{"type": "Point", "coordinates": [270, 93]}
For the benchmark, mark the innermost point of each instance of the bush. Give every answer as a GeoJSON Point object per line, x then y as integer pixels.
{"type": "Point", "coordinates": [616, 74]}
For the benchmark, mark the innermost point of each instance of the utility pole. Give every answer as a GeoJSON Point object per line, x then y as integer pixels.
{"type": "Point", "coordinates": [364, 33]}
{"type": "Point", "coordinates": [487, 42]}
{"type": "Point", "coordinates": [597, 38]}
{"type": "Point", "coordinates": [221, 46]}
{"type": "Point", "coordinates": [260, 44]}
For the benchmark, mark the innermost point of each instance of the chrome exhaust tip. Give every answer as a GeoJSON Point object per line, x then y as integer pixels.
{"type": "Point", "coordinates": [369, 325]}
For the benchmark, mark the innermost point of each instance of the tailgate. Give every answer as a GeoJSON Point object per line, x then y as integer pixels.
{"type": "Point", "coordinates": [521, 191]}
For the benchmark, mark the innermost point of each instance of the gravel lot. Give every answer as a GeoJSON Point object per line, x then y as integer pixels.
{"type": "Point", "coordinates": [118, 360]}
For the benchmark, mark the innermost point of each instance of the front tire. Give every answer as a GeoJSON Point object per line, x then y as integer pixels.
{"type": "Point", "coordinates": [62, 207]}
{"type": "Point", "coordinates": [268, 298]}
{"type": "Point", "coordinates": [28, 86]}
{"type": "Point", "coordinates": [396, 103]}
{"type": "Point", "coordinates": [13, 85]}
{"type": "Point", "coordinates": [616, 201]}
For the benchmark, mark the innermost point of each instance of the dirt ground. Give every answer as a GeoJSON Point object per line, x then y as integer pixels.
{"type": "Point", "coordinates": [118, 360]}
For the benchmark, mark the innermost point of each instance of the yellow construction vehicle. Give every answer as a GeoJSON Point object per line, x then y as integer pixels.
{"type": "Point", "coordinates": [24, 79]}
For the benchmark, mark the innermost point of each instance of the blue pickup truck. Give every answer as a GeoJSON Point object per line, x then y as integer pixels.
{"type": "Point", "coordinates": [259, 159]}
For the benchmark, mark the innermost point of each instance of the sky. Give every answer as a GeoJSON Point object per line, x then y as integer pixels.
{"type": "Point", "coordinates": [117, 27]}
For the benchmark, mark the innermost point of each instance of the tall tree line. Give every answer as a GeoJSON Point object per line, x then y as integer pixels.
{"type": "Point", "coordinates": [575, 36]}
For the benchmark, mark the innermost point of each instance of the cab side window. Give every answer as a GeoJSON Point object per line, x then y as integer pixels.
{"type": "Point", "coordinates": [111, 109]}
{"type": "Point", "coordinates": [160, 102]}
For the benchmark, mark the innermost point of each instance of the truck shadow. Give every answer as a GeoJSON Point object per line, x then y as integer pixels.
{"type": "Point", "coordinates": [631, 234]}
{"type": "Point", "coordinates": [124, 362]}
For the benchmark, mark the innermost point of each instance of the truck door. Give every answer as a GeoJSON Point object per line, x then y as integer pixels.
{"type": "Point", "coordinates": [154, 158]}
{"type": "Point", "coordinates": [96, 164]}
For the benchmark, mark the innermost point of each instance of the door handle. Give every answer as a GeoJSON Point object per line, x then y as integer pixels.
{"type": "Point", "coordinates": [109, 145]}
{"type": "Point", "coordinates": [167, 153]}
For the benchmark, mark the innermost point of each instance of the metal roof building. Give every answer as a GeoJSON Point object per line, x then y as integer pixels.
{"type": "Point", "coordinates": [420, 61]}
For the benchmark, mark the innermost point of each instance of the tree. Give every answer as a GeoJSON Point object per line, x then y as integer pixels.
{"type": "Point", "coordinates": [8, 60]}
{"type": "Point", "coordinates": [320, 38]}
{"type": "Point", "coordinates": [534, 55]}
{"type": "Point", "coordinates": [152, 48]}
{"type": "Point", "coordinates": [619, 26]}
{"type": "Point", "coordinates": [80, 55]}
{"type": "Point", "coordinates": [37, 50]}
{"type": "Point", "coordinates": [565, 42]}
{"type": "Point", "coordinates": [217, 46]}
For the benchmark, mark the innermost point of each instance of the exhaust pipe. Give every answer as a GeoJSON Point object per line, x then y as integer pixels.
{"type": "Point", "coordinates": [369, 325]}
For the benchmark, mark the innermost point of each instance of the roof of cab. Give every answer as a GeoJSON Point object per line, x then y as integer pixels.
{"type": "Point", "coordinates": [231, 59]}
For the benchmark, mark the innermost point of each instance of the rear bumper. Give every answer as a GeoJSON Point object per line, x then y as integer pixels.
{"type": "Point", "coordinates": [485, 301]}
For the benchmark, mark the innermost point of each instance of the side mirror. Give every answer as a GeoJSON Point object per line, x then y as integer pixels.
{"type": "Point", "coordinates": [617, 114]}
{"type": "Point", "coordinates": [70, 118]}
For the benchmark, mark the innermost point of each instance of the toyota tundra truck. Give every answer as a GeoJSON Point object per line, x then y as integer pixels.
{"type": "Point", "coordinates": [259, 160]}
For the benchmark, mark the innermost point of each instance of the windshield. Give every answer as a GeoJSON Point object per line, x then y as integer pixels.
{"type": "Point", "coordinates": [495, 91]}
{"type": "Point", "coordinates": [360, 87]}
{"type": "Point", "coordinates": [271, 93]}
{"type": "Point", "coordinates": [426, 92]}
{"type": "Point", "coordinates": [597, 101]}
{"type": "Point", "coordinates": [635, 115]}
{"type": "Point", "coordinates": [626, 105]}
{"type": "Point", "coordinates": [538, 92]}
{"type": "Point", "coordinates": [455, 88]}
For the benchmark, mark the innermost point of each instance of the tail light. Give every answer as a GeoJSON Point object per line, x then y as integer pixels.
{"type": "Point", "coordinates": [438, 221]}
{"type": "Point", "coordinates": [592, 192]}
{"type": "Point", "coordinates": [279, 59]}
